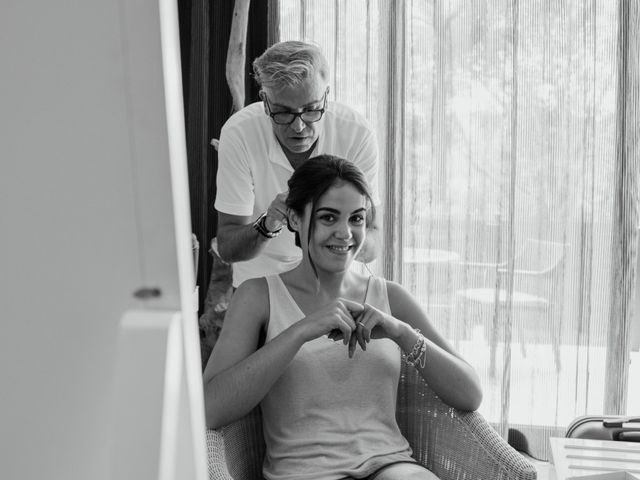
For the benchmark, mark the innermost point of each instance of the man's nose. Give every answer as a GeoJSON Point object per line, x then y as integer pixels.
{"type": "Point", "coordinates": [298, 125]}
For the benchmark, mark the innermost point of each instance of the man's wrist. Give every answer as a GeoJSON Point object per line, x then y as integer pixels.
{"type": "Point", "coordinates": [271, 224]}
{"type": "Point", "coordinates": [260, 227]}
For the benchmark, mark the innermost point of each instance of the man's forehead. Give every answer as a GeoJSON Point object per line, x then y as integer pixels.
{"type": "Point", "coordinates": [298, 97]}
{"type": "Point", "coordinates": [295, 105]}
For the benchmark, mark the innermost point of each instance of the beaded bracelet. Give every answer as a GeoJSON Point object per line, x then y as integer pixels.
{"type": "Point", "coordinates": [418, 352]}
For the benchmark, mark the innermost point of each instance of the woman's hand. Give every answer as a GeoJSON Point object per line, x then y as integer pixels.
{"type": "Point", "coordinates": [335, 319]}
{"type": "Point", "coordinates": [373, 323]}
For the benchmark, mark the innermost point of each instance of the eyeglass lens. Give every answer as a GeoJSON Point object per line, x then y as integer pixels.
{"type": "Point", "coordinates": [286, 118]}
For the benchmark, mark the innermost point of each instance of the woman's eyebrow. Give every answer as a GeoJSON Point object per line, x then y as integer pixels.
{"type": "Point", "coordinates": [335, 210]}
{"type": "Point", "coordinates": [327, 209]}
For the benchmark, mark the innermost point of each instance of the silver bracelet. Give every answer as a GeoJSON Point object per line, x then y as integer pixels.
{"type": "Point", "coordinates": [418, 352]}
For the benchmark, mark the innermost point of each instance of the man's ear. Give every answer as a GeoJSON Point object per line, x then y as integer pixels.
{"type": "Point", "coordinates": [263, 96]}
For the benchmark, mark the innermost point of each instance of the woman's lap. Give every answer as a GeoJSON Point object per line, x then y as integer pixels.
{"type": "Point", "coordinates": [403, 470]}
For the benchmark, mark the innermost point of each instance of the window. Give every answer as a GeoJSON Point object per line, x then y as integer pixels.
{"type": "Point", "coordinates": [509, 211]}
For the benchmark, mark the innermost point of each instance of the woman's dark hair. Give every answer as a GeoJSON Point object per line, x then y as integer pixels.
{"type": "Point", "coordinates": [314, 177]}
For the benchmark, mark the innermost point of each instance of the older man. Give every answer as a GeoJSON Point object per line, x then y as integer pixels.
{"type": "Point", "coordinates": [262, 144]}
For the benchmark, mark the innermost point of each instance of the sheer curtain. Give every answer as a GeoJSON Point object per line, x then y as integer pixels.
{"type": "Point", "coordinates": [508, 134]}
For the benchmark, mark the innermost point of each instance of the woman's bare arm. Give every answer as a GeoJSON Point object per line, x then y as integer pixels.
{"type": "Point", "coordinates": [238, 374]}
{"type": "Point", "coordinates": [447, 373]}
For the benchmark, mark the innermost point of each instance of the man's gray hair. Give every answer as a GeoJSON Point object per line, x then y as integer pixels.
{"type": "Point", "coordinates": [289, 64]}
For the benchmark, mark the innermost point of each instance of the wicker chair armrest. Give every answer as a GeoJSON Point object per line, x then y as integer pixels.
{"type": "Point", "coordinates": [216, 459]}
{"type": "Point", "coordinates": [236, 452]}
{"type": "Point", "coordinates": [481, 449]}
{"type": "Point", "coordinates": [454, 444]}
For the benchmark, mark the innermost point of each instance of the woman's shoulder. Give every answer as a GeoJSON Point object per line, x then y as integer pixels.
{"type": "Point", "coordinates": [252, 294]}
{"type": "Point", "coordinates": [390, 285]}
{"type": "Point", "coordinates": [398, 295]}
{"type": "Point", "coordinates": [254, 285]}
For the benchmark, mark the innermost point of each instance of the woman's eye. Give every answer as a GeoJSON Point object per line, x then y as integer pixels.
{"type": "Point", "coordinates": [357, 219]}
{"type": "Point", "coordinates": [327, 218]}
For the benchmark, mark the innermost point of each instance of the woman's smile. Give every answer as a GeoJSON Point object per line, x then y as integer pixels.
{"type": "Point", "coordinates": [340, 249]}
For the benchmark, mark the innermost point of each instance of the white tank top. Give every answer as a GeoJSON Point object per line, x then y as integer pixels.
{"type": "Point", "coordinates": [330, 416]}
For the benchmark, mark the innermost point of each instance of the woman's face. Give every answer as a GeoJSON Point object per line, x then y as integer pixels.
{"type": "Point", "coordinates": [339, 227]}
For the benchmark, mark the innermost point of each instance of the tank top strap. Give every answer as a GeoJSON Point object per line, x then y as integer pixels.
{"type": "Point", "coordinates": [283, 310]}
{"type": "Point", "coordinates": [377, 295]}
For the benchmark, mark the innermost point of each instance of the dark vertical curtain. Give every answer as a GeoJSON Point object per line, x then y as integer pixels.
{"type": "Point", "coordinates": [204, 35]}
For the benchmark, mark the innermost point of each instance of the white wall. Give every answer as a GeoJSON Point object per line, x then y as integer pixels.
{"type": "Point", "coordinates": [86, 217]}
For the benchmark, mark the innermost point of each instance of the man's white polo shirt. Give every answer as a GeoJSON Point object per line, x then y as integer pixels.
{"type": "Point", "coordinates": [253, 169]}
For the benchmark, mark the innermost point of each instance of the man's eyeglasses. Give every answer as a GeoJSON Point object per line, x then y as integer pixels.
{"type": "Point", "coordinates": [287, 118]}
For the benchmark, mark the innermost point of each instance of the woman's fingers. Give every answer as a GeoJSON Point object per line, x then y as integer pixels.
{"type": "Point", "coordinates": [357, 324]}
{"type": "Point", "coordinates": [361, 329]}
{"type": "Point", "coordinates": [347, 326]}
{"type": "Point", "coordinates": [370, 325]}
{"type": "Point", "coordinates": [351, 328]}
{"type": "Point", "coordinates": [360, 335]}
{"type": "Point", "coordinates": [342, 323]}
{"type": "Point", "coordinates": [354, 308]}
{"type": "Point", "coordinates": [353, 341]}
{"type": "Point", "coordinates": [368, 321]}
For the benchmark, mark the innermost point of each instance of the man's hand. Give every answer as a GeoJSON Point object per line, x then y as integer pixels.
{"type": "Point", "coordinates": [237, 239]}
{"type": "Point", "coordinates": [277, 213]}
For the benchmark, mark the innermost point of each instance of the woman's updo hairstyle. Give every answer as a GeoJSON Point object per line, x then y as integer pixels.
{"type": "Point", "coordinates": [315, 176]}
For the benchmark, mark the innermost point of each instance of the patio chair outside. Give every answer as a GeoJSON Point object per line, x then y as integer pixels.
{"type": "Point", "coordinates": [538, 272]}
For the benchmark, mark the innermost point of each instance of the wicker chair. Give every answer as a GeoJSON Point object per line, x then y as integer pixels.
{"type": "Point", "coordinates": [455, 445]}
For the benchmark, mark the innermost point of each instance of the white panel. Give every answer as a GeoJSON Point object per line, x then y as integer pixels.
{"type": "Point", "coordinates": [153, 435]}
{"type": "Point", "coordinates": [87, 216]}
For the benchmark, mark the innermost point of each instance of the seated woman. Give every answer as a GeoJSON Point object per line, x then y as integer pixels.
{"type": "Point", "coordinates": [289, 344]}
